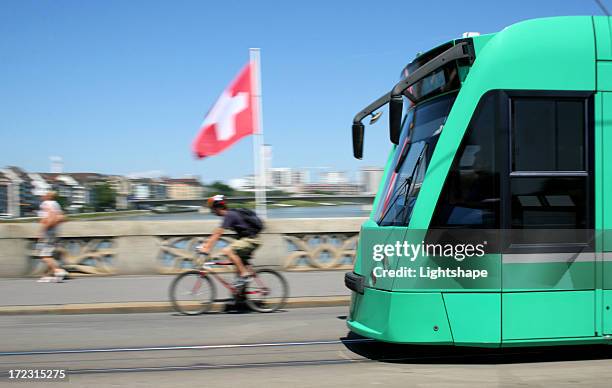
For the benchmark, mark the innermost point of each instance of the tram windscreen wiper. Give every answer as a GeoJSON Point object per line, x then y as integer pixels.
{"type": "Point", "coordinates": [404, 190]}
{"type": "Point", "coordinates": [396, 194]}
{"type": "Point", "coordinates": [417, 165]}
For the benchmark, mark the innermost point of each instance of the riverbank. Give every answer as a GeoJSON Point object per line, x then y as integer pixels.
{"type": "Point", "coordinates": [82, 216]}
{"type": "Point", "coordinates": [294, 209]}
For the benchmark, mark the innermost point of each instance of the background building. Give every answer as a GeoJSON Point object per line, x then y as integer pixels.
{"type": "Point", "coordinates": [57, 165]}
{"type": "Point", "coordinates": [246, 183]}
{"type": "Point", "coordinates": [333, 177]}
{"type": "Point", "coordinates": [286, 179]}
{"type": "Point", "coordinates": [370, 179]}
{"type": "Point", "coordinates": [121, 187]}
{"type": "Point", "coordinates": [22, 201]}
{"type": "Point", "coordinates": [140, 188]}
{"type": "Point", "coordinates": [5, 188]}
{"type": "Point", "coordinates": [39, 184]}
{"type": "Point", "coordinates": [185, 188]}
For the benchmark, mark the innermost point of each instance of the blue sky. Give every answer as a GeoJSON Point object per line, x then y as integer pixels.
{"type": "Point", "coordinates": [122, 86]}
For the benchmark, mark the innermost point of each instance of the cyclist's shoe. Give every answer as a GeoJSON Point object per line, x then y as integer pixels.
{"type": "Point", "coordinates": [241, 282]}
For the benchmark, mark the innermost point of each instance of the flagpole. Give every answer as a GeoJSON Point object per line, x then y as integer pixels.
{"type": "Point", "coordinates": [258, 148]}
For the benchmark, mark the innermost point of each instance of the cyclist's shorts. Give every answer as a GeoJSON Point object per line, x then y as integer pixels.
{"type": "Point", "coordinates": [244, 247]}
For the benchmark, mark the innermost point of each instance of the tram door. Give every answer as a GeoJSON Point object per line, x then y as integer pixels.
{"type": "Point", "coordinates": [604, 126]}
{"type": "Point", "coordinates": [548, 261]}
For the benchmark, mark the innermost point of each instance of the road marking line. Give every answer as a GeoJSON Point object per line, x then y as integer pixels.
{"type": "Point", "coordinates": [185, 347]}
{"type": "Point", "coordinates": [211, 366]}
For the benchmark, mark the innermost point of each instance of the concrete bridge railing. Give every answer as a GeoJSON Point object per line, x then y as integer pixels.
{"type": "Point", "coordinates": [168, 247]}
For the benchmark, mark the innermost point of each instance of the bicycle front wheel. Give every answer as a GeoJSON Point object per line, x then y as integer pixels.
{"type": "Point", "coordinates": [191, 293]}
{"type": "Point", "coordinates": [267, 291]}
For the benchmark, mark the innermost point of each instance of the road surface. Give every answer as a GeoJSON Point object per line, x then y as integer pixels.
{"type": "Point", "coordinates": [295, 348]}
{"type": "Point", "coordinates": [114, 289]}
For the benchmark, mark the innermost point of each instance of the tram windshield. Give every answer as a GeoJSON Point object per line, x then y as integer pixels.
{"type": "Point", "coordinates": [420, 132]}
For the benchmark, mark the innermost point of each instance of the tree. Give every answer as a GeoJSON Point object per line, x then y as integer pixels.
{"type": "Point", "coordinates": [64, 202]}
{"type": "Point", "coordinates": [218, 187]}
{"type": "Point", "coordinates": [104, 197]}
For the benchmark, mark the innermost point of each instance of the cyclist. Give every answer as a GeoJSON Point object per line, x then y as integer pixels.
{"type": "Point", "coordinates": [246, 225]}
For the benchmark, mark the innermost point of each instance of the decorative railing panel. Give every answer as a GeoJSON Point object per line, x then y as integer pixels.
{"type": "Point", "coordinates": [168, 247]}
{"type": "Point", "coordinates": [179, 253]}
{"type": "Point", "coordinates": [87, 256]}
{"type": "Point", "coordinates": [320, 251]}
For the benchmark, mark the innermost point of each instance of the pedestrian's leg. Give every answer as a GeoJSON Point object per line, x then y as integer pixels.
{"type": "Point", "coordinates": [52, 266]}
{"type": "Point", "coordinates": [55, 271]}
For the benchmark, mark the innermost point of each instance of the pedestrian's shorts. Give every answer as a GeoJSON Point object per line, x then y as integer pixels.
{"type": "Point", "coordinates": [244, 247]}
{"type": "Point", "coordinates": [46, 247]}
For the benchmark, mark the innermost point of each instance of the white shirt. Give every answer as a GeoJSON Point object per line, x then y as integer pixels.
{"type": "Point", "coordinates": [48, 207]}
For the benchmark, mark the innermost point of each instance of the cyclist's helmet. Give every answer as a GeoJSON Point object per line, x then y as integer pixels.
{"type": "Point", "coordinates": [216, 201]}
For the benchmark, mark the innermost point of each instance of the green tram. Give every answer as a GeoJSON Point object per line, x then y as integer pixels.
{"type": "Point", "coordinates": [501, 143]}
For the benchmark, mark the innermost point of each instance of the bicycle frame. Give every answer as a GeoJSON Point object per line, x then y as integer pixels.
{"type": "Point", "coordinates": [207, 269]}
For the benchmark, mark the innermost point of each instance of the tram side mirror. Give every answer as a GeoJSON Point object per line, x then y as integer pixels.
{"type": "Point", "coordinates": [358, 130]}
{"type": "Point", "coordinates": [395, 118]}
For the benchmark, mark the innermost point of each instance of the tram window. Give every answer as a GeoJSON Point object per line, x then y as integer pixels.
{"type": "Point", "coordinates": [549, 202]}
{"type": "Point", "coordinates": [549, 181]}
{"type": "Point", "coordinates": [571, 135]}
{"type": "Point", "coordinates": [470, 197]}
{"type": "Point", "coordinates": [548, 135]}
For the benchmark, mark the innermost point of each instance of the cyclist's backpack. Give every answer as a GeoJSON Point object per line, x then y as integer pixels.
{"type": "Point", "coordinates": [255, 223]}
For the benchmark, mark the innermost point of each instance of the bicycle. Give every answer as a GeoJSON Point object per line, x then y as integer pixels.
{"type": "Point", "coordinates": [193, 292]}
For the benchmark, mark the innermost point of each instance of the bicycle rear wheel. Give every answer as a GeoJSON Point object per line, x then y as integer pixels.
{"type": "Point", "coordinates": [191, 293]}
{"type": "Point", "coordinates": [267, 291]}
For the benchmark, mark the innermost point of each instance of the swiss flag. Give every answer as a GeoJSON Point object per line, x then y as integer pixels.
{"type": "Point", "coordinates": [230, 119]}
